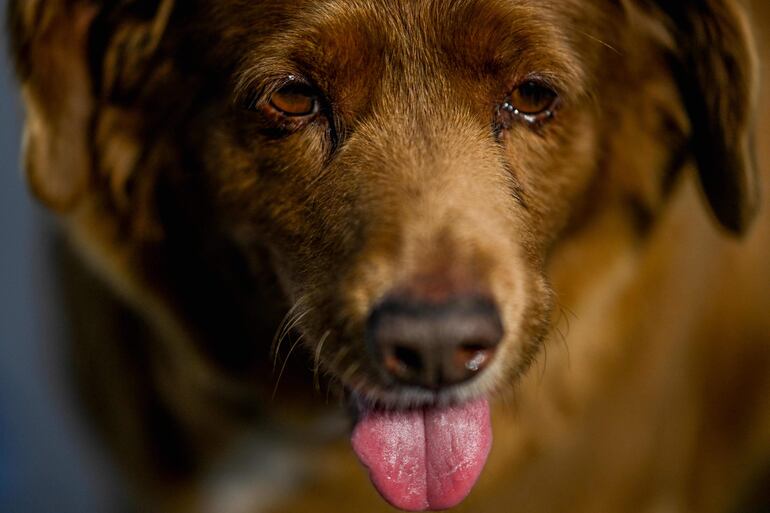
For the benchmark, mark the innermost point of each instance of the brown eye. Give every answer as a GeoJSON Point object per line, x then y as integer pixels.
{"type": "Point", "coordinates": [294, 100]}
{"type": "Point", "coordinates": [531, 100]}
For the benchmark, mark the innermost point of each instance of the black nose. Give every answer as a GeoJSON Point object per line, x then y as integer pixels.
{"type": "Point", "coordinates": [434, 345]}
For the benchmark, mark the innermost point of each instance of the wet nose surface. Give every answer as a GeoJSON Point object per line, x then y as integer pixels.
{"type": "Point", "coordinates": [433, 345]}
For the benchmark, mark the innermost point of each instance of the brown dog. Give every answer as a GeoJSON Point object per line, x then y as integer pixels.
{"type": "Point", "coordinates": [430, 194]}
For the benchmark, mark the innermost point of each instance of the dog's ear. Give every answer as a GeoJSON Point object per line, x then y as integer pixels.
{"type": "Point", "coordinates": [69, 56]}
{"type": "Point", "coordinates": [49, 44]}
{"type": "Point", "coordinates": [713, 62]}
{"type": "Point", "coordinates": [125, 44]}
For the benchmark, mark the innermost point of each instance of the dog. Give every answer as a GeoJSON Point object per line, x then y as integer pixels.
{"type": "Point", "coordinates": [512, 251]}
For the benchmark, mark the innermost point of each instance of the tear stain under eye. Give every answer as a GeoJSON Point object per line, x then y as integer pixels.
{"type": "Point", "coordinates": [540, 117]}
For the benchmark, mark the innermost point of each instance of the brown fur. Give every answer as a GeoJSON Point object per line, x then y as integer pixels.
{"type": "Point", "coordinates": [647, 323]}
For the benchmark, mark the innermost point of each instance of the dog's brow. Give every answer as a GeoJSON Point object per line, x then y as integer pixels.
{"type": "Point", "coordinates": [348, 43]}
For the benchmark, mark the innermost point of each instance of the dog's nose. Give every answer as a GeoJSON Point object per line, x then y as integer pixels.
{"type": "Point", "coordinates": [434, 345]}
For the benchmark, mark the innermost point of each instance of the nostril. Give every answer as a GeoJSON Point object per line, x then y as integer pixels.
{"type": "Point", "coordinates": [403, 362]}
{"type": "Point", "coordinates": [408, 358]}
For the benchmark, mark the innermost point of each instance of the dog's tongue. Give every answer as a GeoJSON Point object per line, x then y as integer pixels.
{"type": "Point", "coordinates": [426, 459]}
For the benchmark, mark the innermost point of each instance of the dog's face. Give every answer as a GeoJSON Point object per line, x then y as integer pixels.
{"type": "Point", "coordinates": [405, 153]}
{"type": "Point", "coordinates": [403, 168]}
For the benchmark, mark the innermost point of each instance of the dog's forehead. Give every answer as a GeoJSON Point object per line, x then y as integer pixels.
{"type": "Point", "coordinates": [355, 40]}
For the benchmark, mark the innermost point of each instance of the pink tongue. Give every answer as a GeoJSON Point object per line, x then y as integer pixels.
{"type": "Point", "coordinates": [425, 459]}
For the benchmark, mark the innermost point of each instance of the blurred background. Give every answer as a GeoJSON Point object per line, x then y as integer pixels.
{"type": "Point", "coordinates": [46, 462]}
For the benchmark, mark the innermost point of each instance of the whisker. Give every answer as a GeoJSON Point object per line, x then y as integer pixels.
{"type": "Point", "coordinates": [563, 315]}
{"type": "Point", "coordinates": [337, 360]}
{"type": "Point", "coordinates": [345, 378]}
{"type": "Point", "coordinates": [566, 319]}
{"type": "Point", "coordinates": [545, 363]}
{"type": "Point", "coordinates": [329, 386]}
{"type": "Point", "coordinates": [341, 354]}
{"type": "Point", "coordinates": [293, 325]}
{"type": "Point", "coordinates": [283, 367]}
{"type": "Point", "coordinates": [284, 322]}
{"type": "Point", "coordinates": [317, 361]}
{"type": "Point", "coordinates": [289, 327]}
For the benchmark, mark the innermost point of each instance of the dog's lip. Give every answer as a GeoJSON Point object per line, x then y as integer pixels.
{"type": "Point", "coordinates": [404, 398]}
{"type": "Point", "coordinates": [357, 404]}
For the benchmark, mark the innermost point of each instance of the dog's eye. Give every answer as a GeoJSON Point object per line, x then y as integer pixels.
{"type": "Point", "coordinates": [294, 100]}
{"type": "Point", "coordinates": [532, 101]}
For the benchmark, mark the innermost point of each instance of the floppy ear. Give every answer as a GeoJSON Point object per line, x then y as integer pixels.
{"type": "Point", "coordinates": [48, 42]}
{"type": "Point", "coordinates": [714, 65]}
{"type": "Point", "coordinates": [71, 56]}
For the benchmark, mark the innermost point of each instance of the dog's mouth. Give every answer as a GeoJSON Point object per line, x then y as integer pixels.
{"type": "Point", "coordinates": [419, 391]}
{"type": "Point", "coordinates": [423, 426]}
{"type": "Point", "coordinates": [426, 458]}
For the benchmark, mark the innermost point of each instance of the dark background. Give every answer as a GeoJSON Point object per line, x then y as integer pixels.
{"type": "Point", "coordinates": [46, 462]}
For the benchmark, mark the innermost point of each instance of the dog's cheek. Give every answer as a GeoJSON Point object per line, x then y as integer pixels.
{"type": "Point", "coordinates": [555, 169]}
{"type": "Point", "coordinates": [526, 303]}
{"type": "Point", "coordinates": [280, 195]}
{"type": "Point", "coordinates": [258, 183]}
